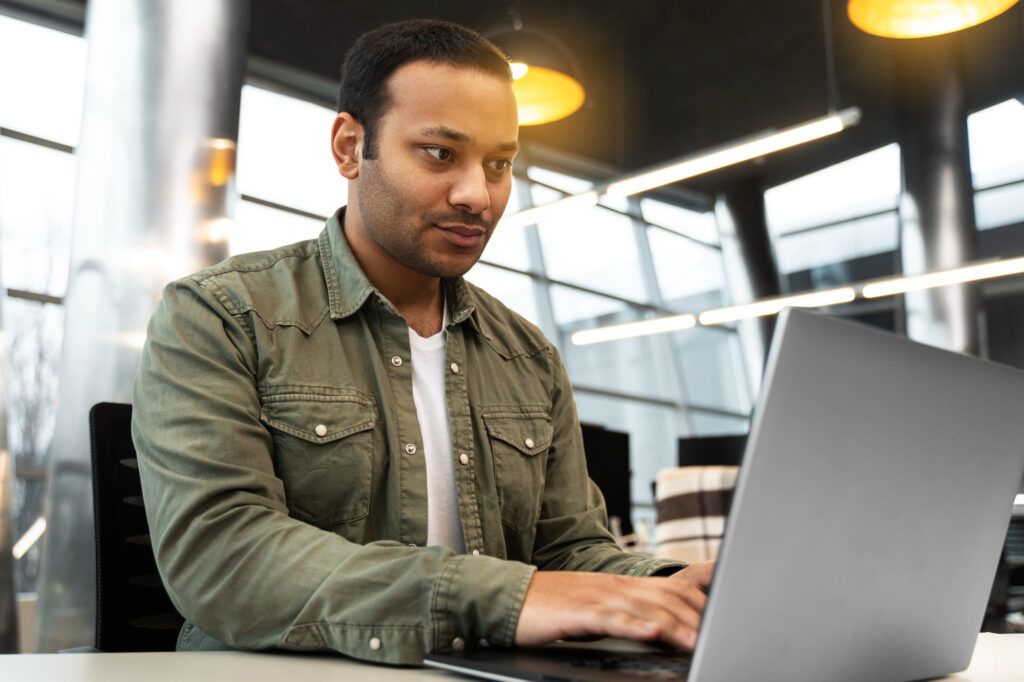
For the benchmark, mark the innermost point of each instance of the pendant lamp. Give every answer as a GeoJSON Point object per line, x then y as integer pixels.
{"type": "Point", "coordinates": [546, 78]}
{"type": "Point", "coordinates": [922, 18]}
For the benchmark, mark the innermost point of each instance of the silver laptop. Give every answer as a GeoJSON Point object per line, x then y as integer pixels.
{"type": "Point", "coordinates": [868, 518]}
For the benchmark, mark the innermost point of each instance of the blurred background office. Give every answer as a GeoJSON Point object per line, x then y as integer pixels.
{"type": "Point", "coordinates": [141, 140]}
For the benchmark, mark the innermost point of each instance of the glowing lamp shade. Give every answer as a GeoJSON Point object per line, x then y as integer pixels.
{"type": "Point", "coordinates": [545, 76]}
{"type": "Point", "coordinates": [922, 18]}
{"type": "Point", "coordinates": [544, 95]}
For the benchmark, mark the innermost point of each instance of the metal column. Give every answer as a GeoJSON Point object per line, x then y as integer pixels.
{"type": "Point", "coordinates": [937, 206]}
{"type": "Point", "coordinates": [155, 178]}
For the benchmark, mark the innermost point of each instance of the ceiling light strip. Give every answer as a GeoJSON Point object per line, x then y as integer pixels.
{"type": "Point", "coordinates": [691, 166]}
{"type": "Point", "coordinates": [969, 273]}
{"type": "Point", "coordinates": [633, 329]}
{"type": "Point", "coordinates": [771, 306]}
{"type": "Point", "coordinates": [974, 272]}
{"type": "Point", "coordinates": [761, 145]}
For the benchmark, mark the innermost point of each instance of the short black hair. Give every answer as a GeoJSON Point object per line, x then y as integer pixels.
{"type": "Point", "coordinates": [377, 54]}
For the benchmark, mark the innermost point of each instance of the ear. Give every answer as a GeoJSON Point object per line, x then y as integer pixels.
{"type": "Point", "coordinates": [347, 144]}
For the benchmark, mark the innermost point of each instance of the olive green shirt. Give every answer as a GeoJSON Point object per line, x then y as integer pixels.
{"type": "Point", "coordinates": [283, 476]}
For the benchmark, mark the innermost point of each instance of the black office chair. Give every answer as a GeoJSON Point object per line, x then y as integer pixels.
{"type": "Point", "coordinates": [133, 610]}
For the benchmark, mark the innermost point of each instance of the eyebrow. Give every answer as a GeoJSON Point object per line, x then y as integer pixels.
{"type": "Point", "coordinates": [447, 133]}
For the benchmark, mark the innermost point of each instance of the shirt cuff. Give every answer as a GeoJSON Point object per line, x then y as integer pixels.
{"type": "Point", "coordinates": [477, 600]}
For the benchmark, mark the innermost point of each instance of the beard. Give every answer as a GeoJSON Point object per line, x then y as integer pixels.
{"type": "Point", "coordinates": [397, 230]}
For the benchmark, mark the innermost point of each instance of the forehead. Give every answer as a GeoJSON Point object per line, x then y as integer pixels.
{"type": "Point", "coordinates": [425, 94]}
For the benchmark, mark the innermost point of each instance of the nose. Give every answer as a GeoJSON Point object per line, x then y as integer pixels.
{"type": "Point", "coordinates": [469, 191]}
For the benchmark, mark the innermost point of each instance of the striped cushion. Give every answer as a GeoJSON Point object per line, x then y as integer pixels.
{"type": "Point", "coordinates": [692, 503]}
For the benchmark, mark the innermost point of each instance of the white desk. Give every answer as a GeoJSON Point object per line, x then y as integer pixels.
{"type": "Point", "coordinates": [996, 658]}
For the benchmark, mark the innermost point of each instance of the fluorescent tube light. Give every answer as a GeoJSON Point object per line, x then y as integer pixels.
{"type": "Point", "coordinates": [969, 273]}
{"type": "Point", "coordinates": [771, 306]}
{"type": "Point", "coordinates": [632, 329]}
{"type": "Point", "coordinates": [704, 162]}
{"type": "Point", "coordinates": [31, 536]}
{"type": "Point", "coordinates": [533, 215]}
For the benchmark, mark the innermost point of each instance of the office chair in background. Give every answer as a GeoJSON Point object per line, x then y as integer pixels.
{"type": "Point", "coordinates": [133, 610]}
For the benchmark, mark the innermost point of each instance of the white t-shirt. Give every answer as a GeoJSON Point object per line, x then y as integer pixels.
{"type": "Point", "coordinates": [428, 363]}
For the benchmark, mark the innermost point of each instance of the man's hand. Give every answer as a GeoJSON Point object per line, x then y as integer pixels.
{"type": "Point", "coordinates": [568, 605]}
{"type": "Point", "coordinates": [698, 575]}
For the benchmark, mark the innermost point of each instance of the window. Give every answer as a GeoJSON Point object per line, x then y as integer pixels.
{"type": "Point", "coordinates": [695, 225]}
{"type": "Point", "coordinates": [839, 224]}
{"type": "Point", "coordinates": [595, 248]}
{"type": "Point", "coordinates": [997, 164]}
{"type": "Point", "coordinates": [37, 186]}
{"type": "Point", "coordinates": [42, 79]}
{"type": "Point", "coordinates": [865, 184]}
{"type": "Point", "coordinates": [42, 76]}
{"type": "Point", "coordinates": [287, 163]}
{"type": "Point", "coordinates": [511, 288]}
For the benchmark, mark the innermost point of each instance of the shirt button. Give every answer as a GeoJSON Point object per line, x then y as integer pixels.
{"type": "Point", "coordinates": [458, 644]}
{"type": "Point", "coordinates": [529, 442]}
{"type": "Point", "coordinates": [476, 552]}
{"type": "Point", "coordinates": [410, 448]}
{"type": "Point", "coordinates": [396, 361]}
{"type": "Point", "coordinates": [374, 643]}
{"type": "Point", "coordinates": [464, 458]}
{"type": "Point", "coordinates": [321, 430]}
{"type": "Point", "coordinates": [455, 368]}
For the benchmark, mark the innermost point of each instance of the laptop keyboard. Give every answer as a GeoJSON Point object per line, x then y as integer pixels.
{"type": "Point", "coordinates": [665, 667]}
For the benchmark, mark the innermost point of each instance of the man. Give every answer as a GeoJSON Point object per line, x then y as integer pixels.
{"type": "Point", "coordinates": [343, 445]}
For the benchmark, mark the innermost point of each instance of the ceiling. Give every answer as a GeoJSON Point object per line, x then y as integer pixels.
{"type": "Point", "coordinates": [666, 78]}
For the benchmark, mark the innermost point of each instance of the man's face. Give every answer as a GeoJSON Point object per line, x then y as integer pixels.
{"type": "Point", "coordinates": [442, 174]}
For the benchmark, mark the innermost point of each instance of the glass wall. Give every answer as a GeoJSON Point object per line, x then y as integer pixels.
{"type": "Point", "coordinates": [996, 137]}
{"type": "Point", "coordinates": [618, 262]}
{"type": "Point", "coordinates": [837, 225]}
{"type": "Point", "coordinates": [39, 127]}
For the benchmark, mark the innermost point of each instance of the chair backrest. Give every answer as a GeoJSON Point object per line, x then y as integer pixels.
{"type": "Point", "coordinates": [692, 503]}
{"type": "Point", "coordinates": [133, 611]}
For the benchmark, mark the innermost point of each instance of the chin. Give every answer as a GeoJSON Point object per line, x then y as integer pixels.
{"type": "Point", "coordinates": [452, 268]}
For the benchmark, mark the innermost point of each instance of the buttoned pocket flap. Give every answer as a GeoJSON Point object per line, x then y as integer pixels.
{"type": "Point", "coordinates": [319, 418]}
{"type": "Point", "coordinates": [529, 433]}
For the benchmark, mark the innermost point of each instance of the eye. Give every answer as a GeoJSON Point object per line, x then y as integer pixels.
{"type": "Point", "coordinates": [500, 165]}
{"type": "Point", "coordinates": [440, 153]}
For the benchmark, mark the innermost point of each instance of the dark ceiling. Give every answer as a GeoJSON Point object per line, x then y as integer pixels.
{"type": "Point", "coordinates": [666, 78]}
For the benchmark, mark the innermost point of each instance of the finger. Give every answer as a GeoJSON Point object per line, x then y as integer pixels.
{"type": "Point", "coordinates": [645, 622]}
{"type": "Point", "coordinates": [691, 595]}
{"type": "Point", "coordinates": [697, 574]}
{"type": "Point", "coordinates": [702, 574]}
{"type": "Point", "coordinates": [648, 601]}
{"type": "Point", "coordinates": [626, 626]}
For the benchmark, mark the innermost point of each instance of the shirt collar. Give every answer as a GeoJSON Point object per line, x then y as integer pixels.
{"type": "Point", "coordinates": [348, 286]}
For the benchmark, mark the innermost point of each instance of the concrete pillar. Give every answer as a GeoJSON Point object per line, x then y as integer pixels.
{"type": "Point", "coordinates": [155, 178]}
{"type": "Point", "coordinates": [937, 205]}
{"type": "Point", "coordinates": [750, 266]}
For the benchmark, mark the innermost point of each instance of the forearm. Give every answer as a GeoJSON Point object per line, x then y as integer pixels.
{"type": "Point", "coordinates": [581, 543]}
{"type": "Point", "coordinates": [256, 579]}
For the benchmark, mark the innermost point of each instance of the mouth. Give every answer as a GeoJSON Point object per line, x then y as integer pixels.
{"type": "Point", "coordinates": [465, 236]}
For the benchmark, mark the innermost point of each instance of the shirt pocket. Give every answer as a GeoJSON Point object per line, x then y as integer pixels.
{"type": "Point", "coordinates": [323, 451]}
{"type": "Point", "coordinates": [519, 441]}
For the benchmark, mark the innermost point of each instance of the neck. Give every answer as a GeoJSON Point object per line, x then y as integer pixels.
{"type": "Point", "coordinates": [416, 296]}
